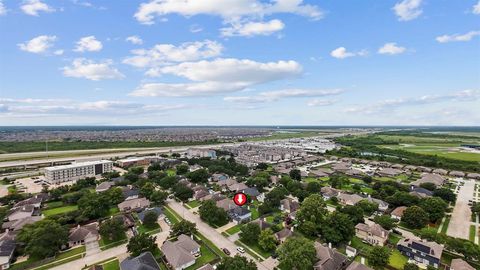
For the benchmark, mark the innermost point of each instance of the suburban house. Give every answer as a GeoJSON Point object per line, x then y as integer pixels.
{"type": "Point", "coordinates": [21, 212]}
{"type": "Point", "coordinates": [329, 259]}
{"type": "Point", "coordinates": [457, 174]}
{"type": "Point", "coordinates": [134, 204]}
{"type": "Point", "coordinates": [83, 234]}
{"type": "Point", "coordinates": [16, 225]}
{"type": "Point", "coordinates": [130, 192]}
{"type": "Point", "coordinates": [144, 261]}
{"type": "Point", "coordinates": [440, 171]}
{"type": "Point", "coordinates": [217, 177]}
{"type": "Point", "coordinates": [237, 187]}
{"type": "Point", "coordinates": [226, 204]}
{"type": "Point", "coordinates": [181, 253]}
{"type": "Point", "coordinates": [289, 205]}
{"type": "Point", "coordinates": [318, 173]}
{"type": "Point", "coordinates": [104, 186]}
{"type": "Point", "coordinates": [473, 175]}
{"type": "Point", "coordinates": [157, 210]}
{"type": "Point", "coordinates": [240, 215]}
{"type": "Point", "coordinates": [436, 179]}
{"type": "Point", "coordinates": [262, 223]}
{"type": "Point", "coordinates": [373, 234]}
{"type": "Point", "coordinates": [397, 213]}
{"type": "Point", "coordinates": [201, 193]}
{"type": "Point", "coordinates": [421, 192]}
{"type": "Point", "coordinates": [357, 266]}
{"type": "Point", "coordinates": [254, 194]}
{"type": "Point", "coordinates": [329, 192]}
{"type": "Point", "coordinates": [283, 235]}
{"type": "Point", "coordinates": [353, 199]}
{"type": "Point", "coordinates": [389, 172]}
{"type": "Point", "coordinates": [36, 201]}
{"type": "Point", "coordinates": [459, 264]}
{"type": "Point", "coordinates": [424, 252]}
{"type": "Point", "coordinates": [7, 247]}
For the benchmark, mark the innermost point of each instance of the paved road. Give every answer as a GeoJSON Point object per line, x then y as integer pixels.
{"type": "Point", "coordinates": [210, 233]}
{"type": "Point", "coordinates": [460, 221]}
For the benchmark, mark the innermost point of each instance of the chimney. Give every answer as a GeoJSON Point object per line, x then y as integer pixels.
{"type": "Point", "coordinates": [362, 260]}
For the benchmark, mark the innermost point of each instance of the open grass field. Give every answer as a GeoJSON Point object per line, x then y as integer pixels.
{"type": "Point", "coordinates": [59, 210]}
{"type": "Point", "coordinates": [113, 265]}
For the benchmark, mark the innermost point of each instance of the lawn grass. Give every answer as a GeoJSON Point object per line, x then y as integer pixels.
{"type": "Point", "coordinates": [254, 211]}
{"type": "Point", "coordinates": [472, 233]}
{"type": "Point", "coordinates": [113, 265]}
{"type": "Point", "coordinates": [60, 210]}
{"type": "Point", "coordinates": [393, 238]}
{"type": "Point", "coordinates": [193, 204]}
{"type": "Point", "coordinates": [233, 230]}
{"type": "Point", "coordinates": [397, 260]}
{"type": "Point", "coordinates": [445, 225]}
{"type": "Point", "coordinates": [143, 229]}
{"type": "Point", "coordinates": [171, 215]}
{"type": "Point", "coordinates": [106, 243]}
{"type": "Point", "coordinates": [53, 204]}
{"type": "Point", "coordinates": [206, 256]}
{"type": "Point", "coordinates": [238, 243]}
{"type": "Point", "coordinates": [171, 172]}
{"type": "Point", "coordinates": [359, 245]}
{"type": "Point", "coordinates": [61, 258]}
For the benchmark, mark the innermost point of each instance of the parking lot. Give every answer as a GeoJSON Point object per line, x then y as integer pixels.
{"type": "Point", "coordinates": [460, 221]}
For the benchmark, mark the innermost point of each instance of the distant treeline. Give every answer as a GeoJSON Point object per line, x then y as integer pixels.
{"type": "Point", "coordinates": [365, 148]}
{"type": "Point", "coordinates": [427, 135]}
{"type": "Point", "coordinates": [18, 147]}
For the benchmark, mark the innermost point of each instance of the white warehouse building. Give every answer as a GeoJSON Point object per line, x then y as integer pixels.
{"type": "Point", "coordinates": [77, 171]}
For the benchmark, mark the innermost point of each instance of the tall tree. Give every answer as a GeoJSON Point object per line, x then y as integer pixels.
{"type": "Point", "coordinates": [112, 229]}
{"type": "Point", "coordinates": [158, 197]}
{"type": "Point", "coordinates": [297, 254]}
{"type": "Point", "coordinates": [184, 227]}
{"type": "Point", "coordinates": [312, 214]}
{"type": "Point", "coordinates": [236, 263]}
{"type": "Point", "coordinates": [435, 207]}
{"type": "Point", "coordinates": [415, 217]}
{"type": "Point", "coordinates": [43, 239]}
{"type": "Point", "coordinates": [250, 233]}
{"type": "Point", "coordinates": [150, 219]}
{"type": "Point", "coordinates": [93, 205]}
{"type": "Point", "coordinates": [338, 228]}
{"type": "Point", "coordinates": [296, 174]}
{"type": "Point", "coordinates": [378, 257]}
{"type": "Point", "coordinates": [213, 215]}
{"type": "Point", "coordinates": [267, 241]}
{"type": "Point", "coordinates": [141, 243]}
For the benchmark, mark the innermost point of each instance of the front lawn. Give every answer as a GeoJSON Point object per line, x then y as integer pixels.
{"type": "Point", "coordinates": [106, 243]}
{"type": "Point", "coordinates": [113, 265]}
{"type": "Point", "coordinates": [143, 229]}
{"type": "Point", "coordinates": [397, 260]}
{"type": "Point", "coordinates": [233, 230]}
{"type": "Point", "coordinates": [59, 210]}
{"type": "Point", "coordinates": [445, 225]}
{"type": "Point", "coordinates": [255, 213]}
{"type": "Point", "coordinates": [206, 256]}
{"type": "Point", "coordinates": [53, 204]}
{"type": "Point", "coordinates": [171, 215]}
{"type": "Point", "coordinates": [255, 247]}
{"type": "Point", "coordinates": [193, 204]}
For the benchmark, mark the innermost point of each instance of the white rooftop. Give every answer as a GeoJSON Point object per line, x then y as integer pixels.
{"type": "Point", "coordinates": [78, 164]}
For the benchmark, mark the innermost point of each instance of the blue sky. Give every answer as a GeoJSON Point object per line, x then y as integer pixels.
{"type": "Point", "coordinates": [240, 62]}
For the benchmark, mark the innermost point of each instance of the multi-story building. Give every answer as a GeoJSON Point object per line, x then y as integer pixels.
{"type": "Point", "coordinates": [77, 171]}
{"type": "Point", "coordinates": [201, 153]}
{"type": "Point", "coordinates": [423, 252]}
{"type": "Point", "coordinates": [135, 161]}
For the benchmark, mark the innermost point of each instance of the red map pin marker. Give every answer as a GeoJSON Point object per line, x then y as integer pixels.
{"type": "Point", "coordinates": [240, 199]}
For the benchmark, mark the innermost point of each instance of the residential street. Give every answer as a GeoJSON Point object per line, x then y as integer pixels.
{"type": "Point", "coordinates": [460, 221]}
{"type": "Point", "coordinates": [219, 240]}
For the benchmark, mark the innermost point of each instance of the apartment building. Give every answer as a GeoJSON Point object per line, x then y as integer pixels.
{"type": "Point", "coordinates": [77, 171]}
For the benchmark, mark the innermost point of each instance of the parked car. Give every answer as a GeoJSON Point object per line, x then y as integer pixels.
{"type": "Point", "coordinates": [241, 250]}
{"type": "Point", "coordinates": [226, 251]}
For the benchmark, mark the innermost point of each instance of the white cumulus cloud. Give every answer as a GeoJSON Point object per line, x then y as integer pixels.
{"type": "Point", "coordinates": [342, 53]}
{"type": "Point", "coordinates": [458, 37]}
{"type": "Point", "coordinates": [134, 40]}
{"type": "Point", "coordinates": [391, 48]}
{"type": "Point", "coordinates": [218, 76]}
{"type": "Point", "coordinates": [162, 54]}
{"type": "Point", "coordinates": [407, 10]}
{"type": "Point", "coordinates": [88, 69]}
{"type": "Point", "coordinates": [253, 28]}
{"type": "Point", "coordinates": [38, 44]}
{"type": "Point", "coordinates": [90, 44]}
{"type": "Point", "coordinates": [272, 96]}
{"type": "Point", "coordinates": [33, 7]}
{"type": "Point", "coordinates": [229, 10]}
{"type": "Point", "coordinates": [476, 8]}
{"type": "Point", "coordinates": [3, 9]}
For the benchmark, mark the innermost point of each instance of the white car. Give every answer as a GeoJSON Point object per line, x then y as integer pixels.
{"type": "Point", "coordinates": [241, 250]}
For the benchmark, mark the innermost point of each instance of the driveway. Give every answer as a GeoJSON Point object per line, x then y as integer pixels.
{"type": "Point", "coordinates": [219, 240]}
{"type": "Point", "coordinates": [460, 221]}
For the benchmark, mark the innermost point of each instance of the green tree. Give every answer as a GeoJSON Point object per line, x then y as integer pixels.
{"type": "Point", "coordinates": [274, 197]}
{"type": "Point", "coordinates": [297, 254]}
{"type": "Point", "coordinates": [415, 217]}
{"type": "Point", "coordinates": [112, 229]}
{"type": "Point", "coordinates": [158, 197]}
{"type": "Point", "coordinates": [296, 174]}
{"type": "Point", "coordinates": [367, 206]}
{"type": "Point", "coordinates": [43, 239]}
{"type": "Point", "coordinates": [410, 266]}
{"type": "Point", "coordinates": [213, 215]}
{"type": "Point", "coordinates": [267, 241]}
{"type": "Point", "coordinates": [141, 243]}
{"type": "Point", "coordinates": [314, 187]}
{"type": "Point", "coordinates": [378, 257]}
{"type": "Point", "coordinates": [115, 195]}
{"type": "Point", "coordinates": [311, 214]}
{"type": "Point", "coordinates": [354, 212]}
{"type": "Point", "coordinates": [182, 192]}
{"type": "Point", "coordinates": [167, 182]}
{"type": "Point", "coordinates": [435, 207]}
{"type": "Point", "coordinates": [249, 233]}
{"type": "Point", "coordinates": [198, 176]}
{"type": "Point", "coordinates": [93, 205]}
{"type": "Point", "coordinates": [262, 166]}
{"type": "Point", "coordinates": [236, 263]}
{"type": "Point", "coordinates": [147, 190]}
{"type": "Point", "coordinates": [338, 228]}
{"type": "Point", "coordinates": [446, 194]}
{"type": "Point", "coordinates": [182, 169]}
{"type": "Point", "coordinates": [150, 219]}
{"type": "Point", "coordinates": [184, 227]}
{"type": "Point", "coordinates": [385, 221]}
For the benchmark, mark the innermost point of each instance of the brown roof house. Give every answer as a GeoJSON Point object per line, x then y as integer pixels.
{"type": "Point", "coordinates": [283, 234]}
{"type": "Point", "coordinates": [373, 234]}
{"type": "Point", "coordinates": [389, 172]}
{"type": "Point", "coordinates": [83, 234]}
{"type": "Point", "coordinates": [289, 205]}
{"type": "Point", "coordinates": [329, 259]}
{"type": "Point", "coordinates": [397, 213]}
{"type": "Point", "coordinates": [459, 264]}
{"type": "Point", "coordinates": [181, 253]}
{"type": "Point", "coordinates": [21, 212]}
{"type": "Point", "coordinates": [134, 204]}
{"type": "Point", "coordinates": [144, 261]}
{"type": "Point", "coordinates": [436, 179]}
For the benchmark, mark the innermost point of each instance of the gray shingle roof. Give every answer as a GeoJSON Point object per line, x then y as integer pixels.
{"type": "Point", "coordinates": [144, 261]}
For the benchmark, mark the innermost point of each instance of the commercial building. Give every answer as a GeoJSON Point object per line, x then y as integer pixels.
{"type": "Point", "coordinates": [201, 153]}
{"type": "Point", "coordinates": [136, 161]}
{"type": "Point", "coordinates": [77, 171]}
